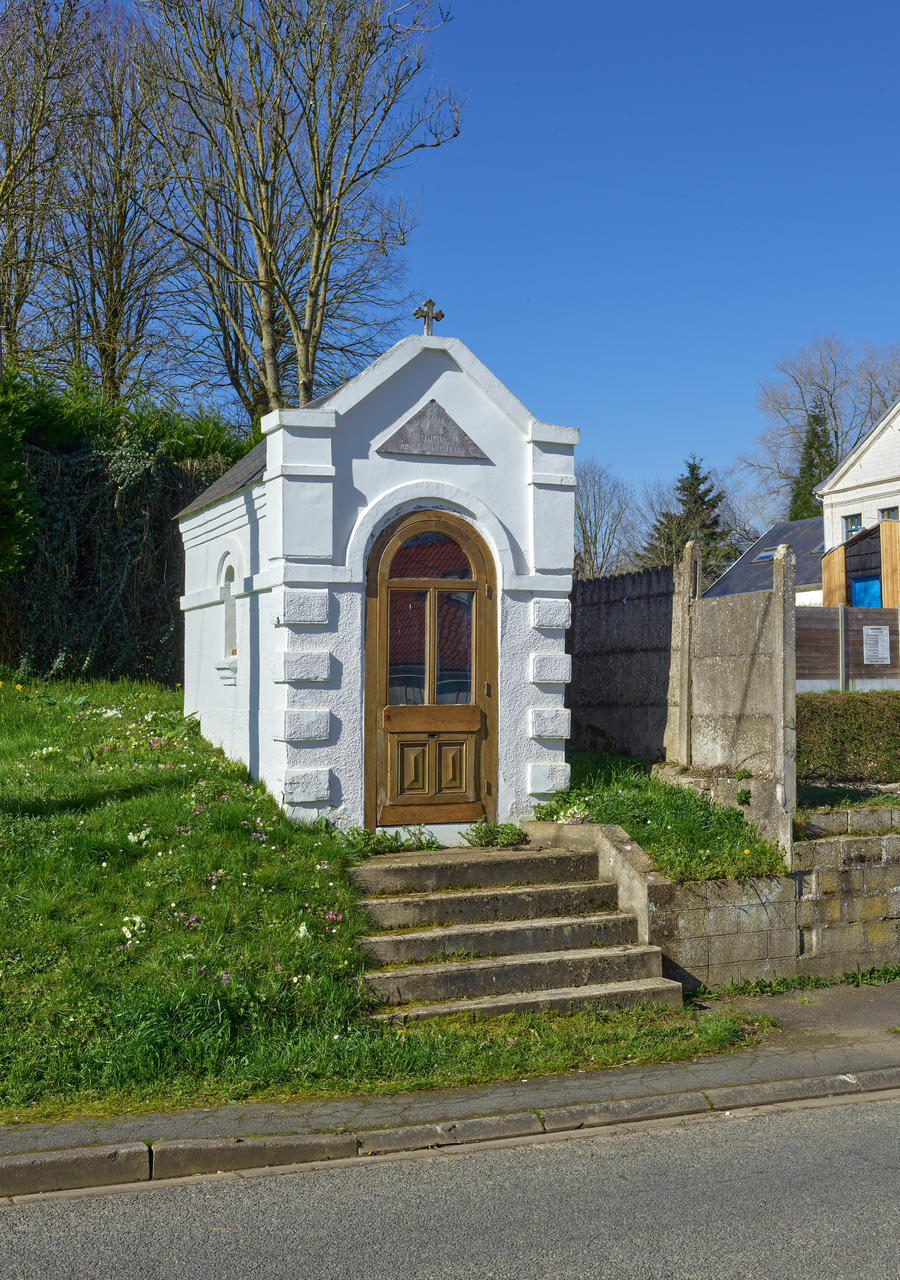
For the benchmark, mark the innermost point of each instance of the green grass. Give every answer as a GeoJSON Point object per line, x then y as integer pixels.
{"type": "Point", "coordinates": [240, 974]}
{"type": "Point", "coordinates": [811, 796]}
{"type": "Point", "coordinates": [685, 836]}
{"type": "Point", "coordinates": [799, 982]}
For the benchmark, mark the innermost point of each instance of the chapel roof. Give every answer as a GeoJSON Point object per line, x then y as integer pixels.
{"type": "Point", "coordinates": [750, 572]}
{"type": "Point", "coordinates": [246, 471]}
{"type": "Point", "coordinates": [342, 399]}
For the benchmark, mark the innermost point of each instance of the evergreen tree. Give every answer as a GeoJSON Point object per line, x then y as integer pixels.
{"type": "Point", "coordinates": [697, 516]}
{"type": "Point", "coordinates": [818, 458]}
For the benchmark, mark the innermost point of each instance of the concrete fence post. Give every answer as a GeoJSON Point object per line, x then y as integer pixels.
{"type": "Point", "coordinates": [842, 647]}
{"type": "Point", "coordinates": [784, 711]}
{"type": "Point", "coordinates": [686, 588]}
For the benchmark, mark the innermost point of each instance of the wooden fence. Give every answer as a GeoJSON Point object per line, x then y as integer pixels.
{"type": "Point", "coordinates": [845, 648]}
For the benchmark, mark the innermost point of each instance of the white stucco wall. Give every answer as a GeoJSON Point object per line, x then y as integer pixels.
{"type": "Point", "coordinates": [866, 482]}
{"type": "Point", "coordinates": [809, 595]}
{"type": "Point", "coordinates": [292, 706]}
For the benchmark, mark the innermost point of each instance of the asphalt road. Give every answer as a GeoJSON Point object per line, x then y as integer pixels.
{"type": "Point", "coordinates": [810, 1192]}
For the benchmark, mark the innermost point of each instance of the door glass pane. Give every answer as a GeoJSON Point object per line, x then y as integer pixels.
{"type": "Point", "coordinates": [454, 646]}
{"type": "Point", "coordinates": [430, 555]}
{"type": "Point", "coordinates": [406, 647]}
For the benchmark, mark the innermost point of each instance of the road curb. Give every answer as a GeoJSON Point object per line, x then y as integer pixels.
{"type": "Point", "coordinates": [172, 1158]}
{"type": "Point", "coordinates": [77, 1167]}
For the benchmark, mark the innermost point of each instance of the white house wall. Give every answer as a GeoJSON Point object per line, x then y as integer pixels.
{"type": "Point", "coordinates": [294, 711]}
{"type": "Point", "coordinates": [866, 482]}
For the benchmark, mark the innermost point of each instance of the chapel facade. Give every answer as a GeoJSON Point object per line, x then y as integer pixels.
{"type": "Point", "coordinates": [377, 596]}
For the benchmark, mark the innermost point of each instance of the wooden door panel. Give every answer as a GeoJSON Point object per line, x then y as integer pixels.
{"type": "Point", "coordinates": [425, 719]}
{"type": "Point", "coordinates": [454, 768]}
{"type": "Point", "coordinates": [412, 772]}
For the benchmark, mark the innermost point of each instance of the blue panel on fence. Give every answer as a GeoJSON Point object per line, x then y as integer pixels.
{"type": "Point", "coordinates": [865, 592]}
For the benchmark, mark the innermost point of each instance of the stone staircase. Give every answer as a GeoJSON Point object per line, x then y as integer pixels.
{"type": "Point", "coordinates": [500, 931]}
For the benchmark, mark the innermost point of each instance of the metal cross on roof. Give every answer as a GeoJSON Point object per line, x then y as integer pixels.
{"type": "Point", "coordinates": [428, 314]}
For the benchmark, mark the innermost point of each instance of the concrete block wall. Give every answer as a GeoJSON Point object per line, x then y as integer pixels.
{"type": "Point", "coordinates": [849, 906]}
{"type": "Point", "coordinates": [836, 911]}
{"type": "Point", "coordinates": [719, 931]}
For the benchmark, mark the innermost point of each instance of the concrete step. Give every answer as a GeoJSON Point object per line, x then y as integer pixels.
{"type": "Point", "coordinates": [505, 938]}
{"type": "Point", "coordinates": [605, 995]}
{"type": "Point", "coordinates": [472, 868]}
{"type": "Point", "coordinates": [501, 975]}
{"type": "Point", "coordinates": [469, 906]}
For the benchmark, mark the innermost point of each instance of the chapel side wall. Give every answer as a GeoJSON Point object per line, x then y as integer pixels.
{"type": "Point", "coordinates": [220, 688]}
{"type": "Point", "coordinates": [621, 643]}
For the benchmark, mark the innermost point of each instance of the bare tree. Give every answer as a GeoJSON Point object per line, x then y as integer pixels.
{"type": "Point", "coordinates": [853, 385]}
{"type": "Point", "coordinates": [114, 270]}
{"type": "Point", "coordinates": [604, 518]}
{"type": "Point", "coordinates": [282, 122]}
{"type": "Point", "coordinates": [44, 48]}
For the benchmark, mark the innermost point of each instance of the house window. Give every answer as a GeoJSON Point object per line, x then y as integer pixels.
{"type": "Point", "coordinates": [889, 513]}
{"type": "Point", "coordinates": [852, 524]}
{"type": "Point", "coordinates": [767, 553]}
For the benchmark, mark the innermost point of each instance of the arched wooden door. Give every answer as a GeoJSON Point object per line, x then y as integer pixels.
{"type": "Point", "coordinates": [431, 674]}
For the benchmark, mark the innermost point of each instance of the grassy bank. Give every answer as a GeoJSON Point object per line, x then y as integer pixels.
{"type": "Point", "coordinates": [168, 938]}
{"type": "Point", "coordinates": [685, 836]}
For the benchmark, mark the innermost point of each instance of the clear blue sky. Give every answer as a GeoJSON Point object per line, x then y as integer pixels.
{"type": "Point", "coordinates": [649, 202]}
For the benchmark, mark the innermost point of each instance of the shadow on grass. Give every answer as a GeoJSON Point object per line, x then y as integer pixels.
{"type": "Point", "coordinates": [811, 795]}
{"type": "Point", "coordinates": [594, 766]}
{"type": "Point", "coordinates": [92, 799]}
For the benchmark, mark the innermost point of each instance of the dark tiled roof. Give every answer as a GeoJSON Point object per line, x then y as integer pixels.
{"type": "Point", "coordinates": [246, 471]}
{"type": "Point", "coordinates": [804, 536]}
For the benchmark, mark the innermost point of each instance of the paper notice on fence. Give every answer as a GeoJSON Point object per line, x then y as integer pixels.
{"type": "Point", "coordinates": [876, 645]}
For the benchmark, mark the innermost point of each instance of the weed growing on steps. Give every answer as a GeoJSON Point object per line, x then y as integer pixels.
{"type": "Point", "coordinates": [168, 938]}
{"type": "Point", "coordinates": [365, 843]}
{"type": "Point", "coordinates": [493, 835]}
{"type": "Point", "coordinates": [685, 836]}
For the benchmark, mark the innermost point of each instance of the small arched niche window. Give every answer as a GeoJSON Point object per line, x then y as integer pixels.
{"type": "Point", "coordinates": [230, 619]}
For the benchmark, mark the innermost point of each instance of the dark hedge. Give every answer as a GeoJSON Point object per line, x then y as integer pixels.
{"type": "Point", "coordinates": [97, 593]}
{"type": "Point", "coordinates": [848, 737]}
{"type": "Point", "coordinates": [91, 562]}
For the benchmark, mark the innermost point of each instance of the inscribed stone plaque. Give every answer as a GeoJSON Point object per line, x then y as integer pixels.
{"type": "Point", "coordinates": [876, 646]}
{"type": "Point", "coordinates": [432, 433]}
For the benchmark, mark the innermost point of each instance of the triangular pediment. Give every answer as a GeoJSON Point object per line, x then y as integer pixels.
{"type": "Point", "coordinates": [432, 433]}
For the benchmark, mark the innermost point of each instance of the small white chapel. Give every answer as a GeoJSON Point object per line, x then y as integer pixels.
{"type": "Point", "coordinates": [377, 596]}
